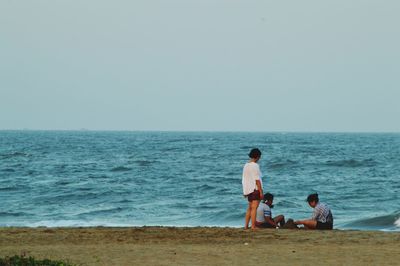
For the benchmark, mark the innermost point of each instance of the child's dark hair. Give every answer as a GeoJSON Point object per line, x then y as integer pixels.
{"type": "Point", "coordinates": [268, 196]}
{"type": "Point", "coordinates": [313, 197]}
{"type": "Point", "coordinates": [255, 153]}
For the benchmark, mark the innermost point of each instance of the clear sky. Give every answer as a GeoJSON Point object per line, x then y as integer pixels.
{"type": "Point", "coordinates": [214, 65]}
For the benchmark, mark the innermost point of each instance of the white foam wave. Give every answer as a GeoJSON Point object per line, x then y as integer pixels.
{"type": "Point", "coordinates": [67, 223]}
{"type": "Point", "coordinates": [79, 223]}
{"type": "Point", "coordinates": [397, 222]}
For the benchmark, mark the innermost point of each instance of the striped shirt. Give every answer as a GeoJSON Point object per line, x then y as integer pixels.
{"type": "Point", "coordinates": [322, 213]}
{"type": "Point", "coordinates": [263, 210]}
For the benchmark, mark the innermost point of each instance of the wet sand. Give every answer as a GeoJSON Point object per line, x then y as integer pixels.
{"type": "Point", "coordinates": [202, 246]}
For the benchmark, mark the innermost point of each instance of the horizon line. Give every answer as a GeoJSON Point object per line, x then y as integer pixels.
{"type": "Point", "coordinates": [204, 131]}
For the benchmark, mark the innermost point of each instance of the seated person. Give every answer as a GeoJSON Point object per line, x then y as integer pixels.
{"type": "Point", "coordinates": [264, 215]}
{"type": "Point", "coordinates": [321, 219]}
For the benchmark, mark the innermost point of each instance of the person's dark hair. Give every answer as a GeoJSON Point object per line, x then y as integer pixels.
{"type": "Point", "coordinates": [268, 196]}
{"type": "Point", "coordinates": [255, 153]}
{"type": "Point", "coordinates": [313, 197]}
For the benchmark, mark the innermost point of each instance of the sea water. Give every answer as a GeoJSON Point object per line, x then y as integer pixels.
{"type": "Point", "coordinates": [86, 178]}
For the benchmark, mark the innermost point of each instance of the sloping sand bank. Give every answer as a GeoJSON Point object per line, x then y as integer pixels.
{"type": "Point", "coordinates": [202, 246]}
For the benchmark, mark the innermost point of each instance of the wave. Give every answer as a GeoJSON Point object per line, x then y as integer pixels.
{"type": "Point", "coordinates": [101, 223]}
{"type": "Point", "coordinates": [207, 206]}
{"type": "Point", "coordinates": [287, 204]}
{"type": "Point", "coordinates": [120, 169]}
{"type": "Point", "coordinates": [101, 211]}
{"type": "Point", "coordinates": [397, 222]}
{"type": "Point", "coordinates": [352, 163]}
{"type": "Point", "coordinates": [13, 214]}
{"type": "Point", "coordinates": [13, 154]}
{"type": "Point", "coordinates": [13, 187]}
{"type": "Point", "coordinates": [124, 201]}
{"type": "Point", "coordinates": [215, 217]}
{"type": "Point", "coordinates": [78, 194]}
{"type": "Point", "coordinates": [171, 149]}
{"type": "Point", "coordinates": [143, 162]}
{"type": "Point", "coordinates": [205, 187]}
{"type": "Point", "coordinates": [98, 176]}
{"type": "Point", "coordinates": [385, 222]}
{"type": "Point", "coordinates": [71, 223]}
{"type": "Point", "coordinates": [282, 164]}
{"type": "Point", "coordinates": [8, 170]}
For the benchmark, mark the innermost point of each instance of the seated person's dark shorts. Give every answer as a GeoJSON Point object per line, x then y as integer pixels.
{"type": "Point", "coordinates": [264, 225]}
{"type": "Point", "coordinates": [324, 226]}
{"type": "Point", "coordinates": [255, 195]}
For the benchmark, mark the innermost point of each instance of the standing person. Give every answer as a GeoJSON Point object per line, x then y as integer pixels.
{"type": "Point", "coordinates": [322, 218]}
{"type": "Point", "coordinates": [252, 187]}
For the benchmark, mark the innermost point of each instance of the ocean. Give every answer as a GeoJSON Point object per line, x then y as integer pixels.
{"type": "Point", "coordinates": [89, 178]}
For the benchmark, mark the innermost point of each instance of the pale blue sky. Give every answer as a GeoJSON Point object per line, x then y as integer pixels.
{"type": "Point", "coordinates": [200, 65]}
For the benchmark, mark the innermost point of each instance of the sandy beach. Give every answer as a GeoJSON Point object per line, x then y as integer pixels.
{"type": "Point", "coordinates": [201, 246]}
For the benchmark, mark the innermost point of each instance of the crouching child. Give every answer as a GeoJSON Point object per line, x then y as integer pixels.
{"type": "Point", "coordinates": [322, 218]}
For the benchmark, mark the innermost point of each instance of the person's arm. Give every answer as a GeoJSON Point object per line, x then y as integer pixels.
{"type": "Point", "coordinates": [259, 188]}
{"type": "Point", "coordinates": [315, 214]}
{"type": "Point", "coordinates": [269, 220]}
{"type": "Point", "coordinates": [313, 217]}
{"type": "Point", "coordinates": [258, 182]}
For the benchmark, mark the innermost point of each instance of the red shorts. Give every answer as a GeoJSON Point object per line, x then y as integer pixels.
{"type": "Point", "coordinates": [255, 195]}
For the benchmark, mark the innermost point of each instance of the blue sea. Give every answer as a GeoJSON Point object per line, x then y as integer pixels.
{"type": "Point", "coordinates": [88, 178]}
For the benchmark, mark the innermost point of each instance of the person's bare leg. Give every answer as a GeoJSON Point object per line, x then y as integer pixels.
{"type": "Point", "coordinates": [253, 213]}
{"type": "Point", "coordinates": [310, 224]}
{"type": "Point", "coordinates": [247, 217]}
{"type": "Point", "coordinates": [280, 219]}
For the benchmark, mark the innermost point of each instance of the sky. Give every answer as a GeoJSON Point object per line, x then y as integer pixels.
{"type": "Point", "coordinates": [200, 65]}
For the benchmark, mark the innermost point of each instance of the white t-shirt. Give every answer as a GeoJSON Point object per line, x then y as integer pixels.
{"type": "Point", "coordinates": [251, 173]}
{"type": "Point", "coordinates": [262, 211]}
